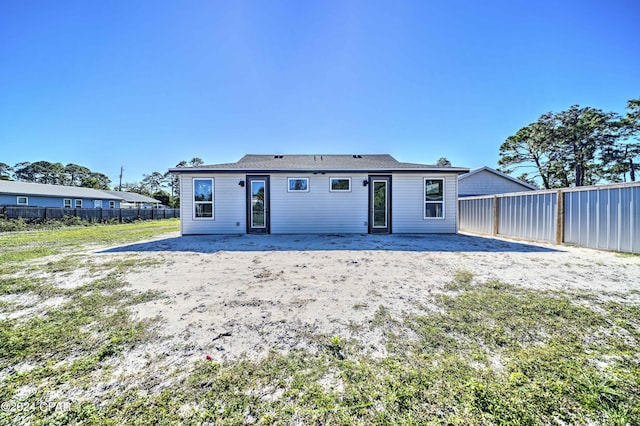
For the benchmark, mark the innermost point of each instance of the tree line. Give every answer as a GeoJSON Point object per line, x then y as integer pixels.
{"type": "Point", "coordinates": [55, 174]}
{"type": "Point", "coordinates": [164, 187]}
{"type": "Point", "coordinates": [577, 147]}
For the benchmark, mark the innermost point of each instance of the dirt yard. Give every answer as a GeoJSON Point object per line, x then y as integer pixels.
{"type": "Point", "coordinates": [234, 297]}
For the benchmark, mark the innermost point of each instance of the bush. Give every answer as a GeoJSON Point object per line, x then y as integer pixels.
{"type": "Point", "coordinates": [10, 225]}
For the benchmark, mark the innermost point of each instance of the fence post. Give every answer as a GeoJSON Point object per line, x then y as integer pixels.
{"type": "Point", "coordinates": [120, 215]}
{"type": "Point", "coordinates": [496, 215]}
{"type": "Point", "coordinates": [560, 218]}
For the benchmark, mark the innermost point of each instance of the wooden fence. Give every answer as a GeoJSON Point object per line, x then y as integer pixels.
{"type": "Point", "coordinates": [94, 215]}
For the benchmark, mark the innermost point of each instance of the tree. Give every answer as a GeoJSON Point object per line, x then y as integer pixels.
{"type": "Point", "coordinates": [174, 180]}
{"type": "Point", "coordinates": [96, 181]}
{"type": "Point", "coordinates": [623, 157]}
{"type": "Point", "coordinates": [443, 162]}
{"type": "Point", "coordinates": [5, 171]}
{"type": "Point", "coordinates": [564, 148]}
{"type": "Point", "coordinates": [136, 187]}
{"type": "Point", "coordinates": [75, 174]}
{"type": "Point", "coordinates": [163, 197]}
{"type": "Point", "coordinates": [196, 161]}
{"type": "Point", "coordinates": [154, 181]}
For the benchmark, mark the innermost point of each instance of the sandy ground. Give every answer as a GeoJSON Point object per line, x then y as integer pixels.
{"type": "Point", "coordinates": [242, 296]}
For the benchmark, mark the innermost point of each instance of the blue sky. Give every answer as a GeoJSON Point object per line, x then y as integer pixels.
{"type": "Point", "coordinates": [145, 84]}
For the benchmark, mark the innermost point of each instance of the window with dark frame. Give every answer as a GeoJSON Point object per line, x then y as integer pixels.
{"type": "Point", "coordinates": [340, 184]}
{"type": "Point", "coordinates": [203, 198]}
{"type": "Point", "coordinates": [433, 198]}
{"type": "Point", "coordinates": [298, 184]}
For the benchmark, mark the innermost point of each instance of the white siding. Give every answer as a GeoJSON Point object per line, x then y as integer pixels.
{"type": "Point", "coordinates": [228, 206]}
{"type": "Point", "coordinates": [408, 205]}
{"type": "Point", "coordinates": [318, 211]}
{"type": "Point", "coordinates": [487, 183]}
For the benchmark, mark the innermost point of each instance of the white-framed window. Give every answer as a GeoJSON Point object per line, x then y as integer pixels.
{"type": "Point", "coordinates": [340, 184]}
{"type": "Point", "coordinates": [203, 198]}
{"type": "Point", "coordinates": [97, 204]}
{"type": "Point", "coordinates": [66, 203]}
{"type": "Point", "coordinates": [298, 185]}
{"type": "Point", "coordinates": [22, 200]}
{"type": "Point", "coordinates": [78, 204]}
{"type": "Point", "coordinates": [433, 198]}
{"type": "Point", "coordinates": [112, 204]}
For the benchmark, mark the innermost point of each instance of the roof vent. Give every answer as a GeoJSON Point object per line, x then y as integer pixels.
{"type": "Point", "coordinates": [357, 156]}
{"type": "Point", "coordinates": [278, 156]}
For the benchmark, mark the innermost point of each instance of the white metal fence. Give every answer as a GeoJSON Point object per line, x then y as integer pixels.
{"type": "Point", "coordinates": [603, 217]}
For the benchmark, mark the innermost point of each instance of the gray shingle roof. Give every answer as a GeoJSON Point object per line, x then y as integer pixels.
{"type": "Point", "coordinates": [29, 188]}
{"type": "Point", "coordinates": [320, 162]}
{"type": "Point", "coordinates": [133, 197]}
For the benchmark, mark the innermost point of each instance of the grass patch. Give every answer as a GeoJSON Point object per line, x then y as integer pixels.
{"type": "Point", "coordinates": [22, 246]}
{"type": "Point", "coordinates": [480, 353]}
{"type": "Point", "coordinates": [492, 354]}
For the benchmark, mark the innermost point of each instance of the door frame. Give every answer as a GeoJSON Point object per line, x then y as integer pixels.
{"type": "Point", "coordinates": [386, 229]}
{"type": "Point", "coordinates": [267, 201]}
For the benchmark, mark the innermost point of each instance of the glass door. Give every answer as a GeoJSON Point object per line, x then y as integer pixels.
{"type": "Point", "coordinates": [380, 204]}
{"type": "Point", "coordinates": [257, 204]}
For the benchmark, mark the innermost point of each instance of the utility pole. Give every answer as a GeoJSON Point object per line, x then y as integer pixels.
{"type": "Point", "coordinates": [120, 185]}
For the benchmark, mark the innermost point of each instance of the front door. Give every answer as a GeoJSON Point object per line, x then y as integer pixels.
{"type": "Point", "coordinates": [379, 204]}
{"type": "Point", "coordinates": [257, 204]}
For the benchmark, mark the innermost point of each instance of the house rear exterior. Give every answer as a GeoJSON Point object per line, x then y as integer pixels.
{"type": "Point", "coordinates": [293, 194]}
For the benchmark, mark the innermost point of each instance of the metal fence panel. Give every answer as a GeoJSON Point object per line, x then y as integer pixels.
{"type": "Point", "coordinates": [476, 215]}
{"type": "Point", "coordinates": [530, 216]}
{"type": "Point", "coordinates": [604, 218]}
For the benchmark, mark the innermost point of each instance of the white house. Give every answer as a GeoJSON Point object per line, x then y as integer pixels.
{"type": "Point", "coordinates": [487, 181]}
{"type": "Point", "coordinates": [287, 194]}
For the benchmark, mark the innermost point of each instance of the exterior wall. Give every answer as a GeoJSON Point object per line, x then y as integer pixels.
{"type": "Point", "coordinates": [487, 183]}
{"type": "Point", "coordinates": [408, 199]}
{"type": "Point", "coordinates": [229, 210]}
{"type": "Point", "coordinates": [40, 201]}
{"type": "Point", "coordinates": [319, 210]}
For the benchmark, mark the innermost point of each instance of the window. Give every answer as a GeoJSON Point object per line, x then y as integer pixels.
{"type": "Point", "coordinates": [298, 184]}
{"type": "Point", "coordinates": [203, 198]}
{"type": "Point", "coordinates": [434, 198]}
{"type": "Point", "coordinates": [112, 204]}
{"type": "Point", "coordinates": [340, 184]}
{"type": "Point", "coordinates": [78, 204]}
{"type": "Point", "coordinates": [66, 203]}
{"type": "Point", "coordinates": [97, 204]}
{"type": "Point", "coordinates": [22, 201]}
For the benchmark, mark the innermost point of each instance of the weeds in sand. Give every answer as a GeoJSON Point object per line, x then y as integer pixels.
{"type": "Point", "coordinates": [482, 353]}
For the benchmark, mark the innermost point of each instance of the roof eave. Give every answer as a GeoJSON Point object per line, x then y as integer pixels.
{"type": "Point", "coordinates": [194, 170]}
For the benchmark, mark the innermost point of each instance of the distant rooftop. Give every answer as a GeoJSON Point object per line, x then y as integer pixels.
{"type": "Point", "coordinates": [29, 188]}
{"type": "Point", "coordinates": [320, 162]}
{"type": "Point", "coordinates": [133, 197]}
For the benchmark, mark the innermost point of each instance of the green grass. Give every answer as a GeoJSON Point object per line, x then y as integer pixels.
{"type": "Point", "coordinates": [489, 353]}
{"type": "Point", "coordinates": [27, 245]}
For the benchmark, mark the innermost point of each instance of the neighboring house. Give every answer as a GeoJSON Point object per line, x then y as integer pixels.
{"type": "Point", "coordinates": [283, 194]}
{"type": "Point", "coordinates": [132, 200]}
{"type": "Point", "coordinates": [487, 181]}
{"type": "Point", "coordinates": [42, 195]}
